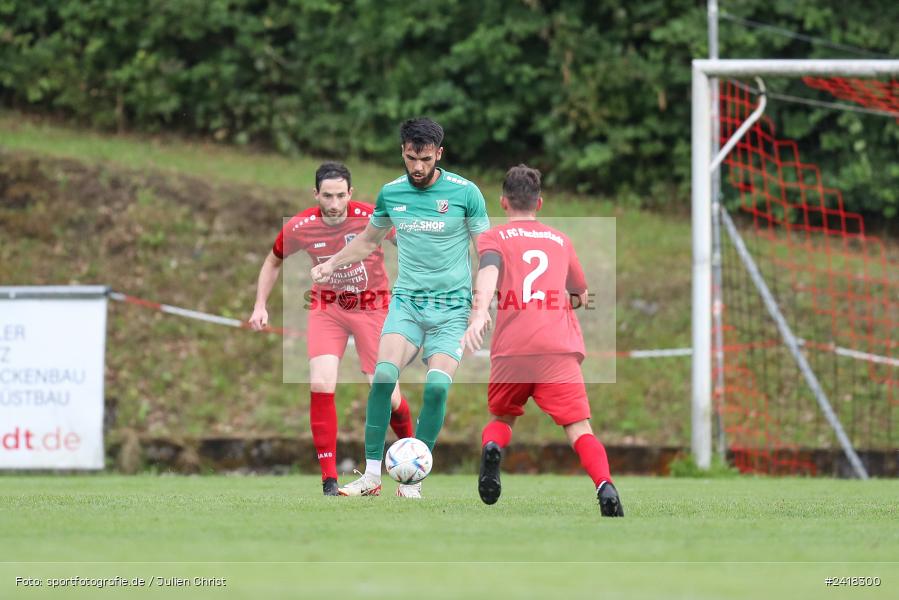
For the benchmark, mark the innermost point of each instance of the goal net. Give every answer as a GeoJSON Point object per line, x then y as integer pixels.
{"type": "Point", "coordinates": [802, 345]}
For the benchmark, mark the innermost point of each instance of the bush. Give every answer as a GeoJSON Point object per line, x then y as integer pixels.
{"type": "Point", "coordinates": [594, 92]}
{"type": "Point", "coordinates": [685, 466]}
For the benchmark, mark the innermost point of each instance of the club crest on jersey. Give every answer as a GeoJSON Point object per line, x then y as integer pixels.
{"type": "Point", "coordinates": [442, 206]}
{"type": "Point", "coordinates": [349, 237]}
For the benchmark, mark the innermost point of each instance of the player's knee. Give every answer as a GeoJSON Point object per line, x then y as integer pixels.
{"type": "Point", "coordinates": [437, 385]}
{"type": "Point", "coordinates": [507, 419]}
{"type": "Point", "coordinates": [437, 377]}
{"type": "Point", "coordinates": [386, 373]}
{"type": "Point", "coordinates": [575, 430]}
{"type": "Point", "coordinates": [323, 387]}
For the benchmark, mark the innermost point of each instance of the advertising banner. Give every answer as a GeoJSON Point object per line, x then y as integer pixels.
{"type": "Point", "coordinates": [52, 353]}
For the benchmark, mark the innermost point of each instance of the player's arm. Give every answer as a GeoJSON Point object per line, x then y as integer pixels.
{"type": "Point", "coordinates": [362, 245]}
{"type": "Point", "coordinates": [268, 275]}
{"type": "Point", "coordinates": [576, 282]}
{"type": "Point", "coordinates": [476, 214]}
{"type": "Point", "coordinates": [485, 288]}
{"type": "Point", "coordinates": [478, 222]}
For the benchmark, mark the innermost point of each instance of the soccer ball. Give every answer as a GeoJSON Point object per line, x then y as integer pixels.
{"type": "Point", "coordinates": [408, 460]}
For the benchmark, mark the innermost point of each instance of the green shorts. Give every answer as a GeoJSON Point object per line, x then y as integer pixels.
{"type": "Point", "coordinates": [437, 327]}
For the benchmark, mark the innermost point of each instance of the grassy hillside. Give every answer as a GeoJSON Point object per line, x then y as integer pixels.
{"type": "Point", "coordinates": [188, 223]}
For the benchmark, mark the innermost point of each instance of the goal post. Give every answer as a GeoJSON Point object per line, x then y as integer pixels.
{"type": "Point", "coordinates": [705, 210]}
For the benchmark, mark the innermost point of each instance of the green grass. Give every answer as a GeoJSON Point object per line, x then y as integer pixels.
{"type": "Point", "coordinates": [188, 222]}
{"type": "Point", "coordinates": [174, 154]}
{"type": "Point", "coordinates": [743, 538]}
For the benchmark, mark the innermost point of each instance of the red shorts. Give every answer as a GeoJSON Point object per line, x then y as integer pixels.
{"type": "Point", "coordinates": [329, 328]}
{"type": "Point", "coordinates": [555, 381]}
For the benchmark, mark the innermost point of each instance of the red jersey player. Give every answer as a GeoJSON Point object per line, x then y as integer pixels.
{"type": "Point", "coordinates": [354, 302]}
{"type": "Point", "coordinates": [537, 347]}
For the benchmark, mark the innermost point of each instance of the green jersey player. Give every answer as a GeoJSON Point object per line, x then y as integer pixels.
{"type": "Point", "coordinates": [436, 214]}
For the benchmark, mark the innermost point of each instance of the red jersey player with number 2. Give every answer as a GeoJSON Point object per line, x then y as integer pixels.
{"type": "Point", "coordinates": [354, 302]}
{"type": "Point", "coordinates": [538, 346]}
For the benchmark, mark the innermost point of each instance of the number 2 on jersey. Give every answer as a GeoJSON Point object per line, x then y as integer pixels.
{"type": "Point", "coordinates": [527, 292]}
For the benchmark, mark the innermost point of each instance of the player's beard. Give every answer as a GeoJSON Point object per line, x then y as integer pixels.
{"type": "Point", "coordinates": [333, 219]}
{"type": "Point", "coordinates": [424, 181]}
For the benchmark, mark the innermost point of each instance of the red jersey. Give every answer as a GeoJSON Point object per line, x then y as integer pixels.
{"type": "Point", "coordinates": [539, 270]}
{"type": "Point", "coordinates": [307, 231]}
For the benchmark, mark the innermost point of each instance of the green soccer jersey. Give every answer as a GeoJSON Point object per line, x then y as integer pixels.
{"type": "Point", "coordinates": [433, 227]}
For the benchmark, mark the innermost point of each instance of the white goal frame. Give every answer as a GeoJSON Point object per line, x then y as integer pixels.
{"type": "Point", "coordinates": [705, 211]}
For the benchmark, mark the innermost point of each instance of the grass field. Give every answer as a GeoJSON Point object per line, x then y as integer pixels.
{"type": "Point", "coordinates": [277, 537]}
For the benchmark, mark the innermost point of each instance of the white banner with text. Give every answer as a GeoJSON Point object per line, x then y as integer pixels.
{"type": "Point", "coordinates": [52, 346]}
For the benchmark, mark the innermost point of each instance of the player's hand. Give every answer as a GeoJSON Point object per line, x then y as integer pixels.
{"type": "Point", "coordinates": [322, 273]}
{"type": "Point", "coordinates": [259, 319]}
{"type": "Point", "coordinates": [474, 335]}
{"type": "Point", "coordinates": [583, 299]}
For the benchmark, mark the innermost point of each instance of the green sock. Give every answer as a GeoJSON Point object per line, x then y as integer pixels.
{"type": "Point", "coordinates": [433, 409]}
{"type": "Point", "coordinates": [377, 413]}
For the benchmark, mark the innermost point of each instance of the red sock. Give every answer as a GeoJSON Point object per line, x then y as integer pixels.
{"type": "Point", "coordinates": [496, 431]}
{"type": "Point", "coordinates": [323, 419]}
{"type": "Point", "coordinates": [401, 420]}
{"type": "Point", "coordinates": [593, 458]}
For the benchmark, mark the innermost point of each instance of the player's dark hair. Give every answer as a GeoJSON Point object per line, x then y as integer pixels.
{"type": "Point", "coordinates": [332, 170]}
{"type": "Point", "coordinates": [522, 187]}
{"type": "Point", "coordinates": [421, 132]}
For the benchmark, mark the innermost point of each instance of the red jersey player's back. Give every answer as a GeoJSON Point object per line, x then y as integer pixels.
{"type": "Point", "coordinates": [539, 270]}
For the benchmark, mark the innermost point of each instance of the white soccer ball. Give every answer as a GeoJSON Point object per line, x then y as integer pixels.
{"type": "Point", "coordinates": [408, 460]}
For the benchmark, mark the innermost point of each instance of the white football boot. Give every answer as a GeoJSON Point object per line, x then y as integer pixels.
{"type": "Point", "coordinates": [366, 485]}
{"type": "Point", "coordinates": [413, 490]}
